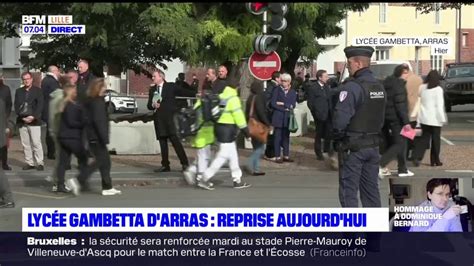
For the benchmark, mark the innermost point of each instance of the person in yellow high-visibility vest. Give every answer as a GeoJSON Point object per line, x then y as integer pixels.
{"type": "Point", "coordinates": [202, 142]}
{"type": "Point", "coordinates": [226, 130]}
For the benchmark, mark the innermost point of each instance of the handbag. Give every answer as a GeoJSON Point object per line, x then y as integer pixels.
{"type": "Point", "coordinates": [257, 129]}
{"type": "Point", "coordinates": [293, 124]}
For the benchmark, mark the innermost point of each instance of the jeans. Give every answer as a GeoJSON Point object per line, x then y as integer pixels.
{"type": "Point", "coordinates": [254, 160]}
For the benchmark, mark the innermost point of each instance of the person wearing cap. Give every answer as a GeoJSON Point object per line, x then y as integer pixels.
{"type": "Point", "coordinates": [358, 119]}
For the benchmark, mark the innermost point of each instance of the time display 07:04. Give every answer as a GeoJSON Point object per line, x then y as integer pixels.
{"type": "Point", "coordinates": [33, 29]}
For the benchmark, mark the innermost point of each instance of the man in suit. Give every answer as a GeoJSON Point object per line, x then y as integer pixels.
{"type": "Point", "coordinates": [6, 199]}
{"type": "Point", "coordinates": [84, 79]}
{"type": "Point", "coordinates": [319, 103]}
{"type": "Point", "coordinates": [49, 84]}
{"type": "Point", "coordinates": [161, 100]}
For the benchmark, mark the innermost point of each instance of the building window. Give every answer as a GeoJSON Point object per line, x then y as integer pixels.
{"type": "Point", "coordinates": [382, 54]}
{"type": "Point", "coordinates": [437, 63]}
{"type": "Point", "coordinates": [437, 7]}
{"type": "Point", "coordinates": [383, 12]}
{"type": "Point", "coordinates": [464, 39]}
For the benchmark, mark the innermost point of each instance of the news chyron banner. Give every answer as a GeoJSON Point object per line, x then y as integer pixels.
{"type": "Point", "coordinates": [50, 24]}
{"type": "Point", "coordinates": [224, 236]}
{"type": "Point", "coordinates": [205, 220]}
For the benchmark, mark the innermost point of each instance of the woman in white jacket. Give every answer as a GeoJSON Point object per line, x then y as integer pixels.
{"type": "Point", "coordinates": [432, 117]}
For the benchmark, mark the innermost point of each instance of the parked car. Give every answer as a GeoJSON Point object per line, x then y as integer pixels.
{"type": "Point", "coordinates": [120, 103]}
{"type": "Point", "coordinates": [458, 84]}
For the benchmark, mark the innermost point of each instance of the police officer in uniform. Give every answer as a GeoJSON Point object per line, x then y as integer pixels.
{"type": "Point", "coordinates": [358, 119]}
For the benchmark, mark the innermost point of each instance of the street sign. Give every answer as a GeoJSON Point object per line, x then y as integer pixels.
{"type": "Point", "coordinates": [262, 66]}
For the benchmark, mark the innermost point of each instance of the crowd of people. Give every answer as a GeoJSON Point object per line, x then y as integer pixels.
{"type": "Point", "coordinates": [73, 108]}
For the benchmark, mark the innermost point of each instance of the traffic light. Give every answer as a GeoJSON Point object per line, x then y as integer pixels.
{"type": "Point", "coordinates": [256, 8]}
{"type": "Point", "coordinates": [266, 44]}
{"type": "Point", "coordinates": [278, 12]}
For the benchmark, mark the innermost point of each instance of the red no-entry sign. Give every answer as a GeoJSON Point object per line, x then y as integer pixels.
{"type": "Point", "coordinates": [262, 66]}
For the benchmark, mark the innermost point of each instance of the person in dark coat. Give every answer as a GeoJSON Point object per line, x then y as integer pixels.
{"type": "Point", "coordinates": [6, 96]}
{"type": "Point", "coordinates": [283, 100]}
{"type": "Point", "coordinates": [275, 82]}
{"type": "Point", "coordinates": [195, 83]}
{"type": "Point", "coordinates": [6, 199]}
{"type": "Point", "coordinates": [161, 100]}
{"type": "Point", "coordinates": [210, 82]}
{"type": "Point", "coordinates": [320, 105]}
{"type": "Point", "coordinates": [257, 98]}
{"type": "Point", "coordinates": [98, 136]}
{"type": "Point", "coordinates": [396, 117]}
{"type": "Point", "coordinates": [29, 108]}
{"type": "Point", "coordinates": [221, 82]}
{"type": "Point", "coordinates": [49, 84]}
{"type": "Point", "coordinates": [84, 80]}
{"type": "Point", "coordinates": [71, 125]}
{"type": "Point", "coordinates": [185, 89]}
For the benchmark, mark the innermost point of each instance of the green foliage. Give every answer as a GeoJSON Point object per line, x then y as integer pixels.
{"type": "Point", "coordinates": [426, 8]}
{"type": "Point", "coordinates": [131, 35]}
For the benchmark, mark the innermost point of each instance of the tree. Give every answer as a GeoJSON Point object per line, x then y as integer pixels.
{"type": "Point", "coordinates": [125, 36]}
{"type": "Point", "coordinates": [426, 8]}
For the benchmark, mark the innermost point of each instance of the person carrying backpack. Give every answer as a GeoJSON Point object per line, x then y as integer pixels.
{"type": "Point", "coordinates": [230, 122]}
{"type": "Point", "coordinates": [204, 137]}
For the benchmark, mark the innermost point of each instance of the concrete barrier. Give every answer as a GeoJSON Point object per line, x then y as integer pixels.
{"type": "Point", "coordinates": [304, 106]}
{"type": "Point", "coordinates": [302, 120]}
{"type": "Point", "coordinates": [133, 138]}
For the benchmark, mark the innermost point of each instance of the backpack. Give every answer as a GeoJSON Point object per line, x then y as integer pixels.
{"type": "Point", "coordinates": [210, 106]}
{"type": "Point", "coordinates": [187, 122]}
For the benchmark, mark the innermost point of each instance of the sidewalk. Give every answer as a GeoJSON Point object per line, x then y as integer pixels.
{"type": "Point", "coordinates": [138, 169]}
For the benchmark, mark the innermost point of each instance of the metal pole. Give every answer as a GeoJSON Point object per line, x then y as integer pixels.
{"type": "Point", "coordinates": [128, 83]}
{"type": "Point", "coordinates": [459, 35]}
{"type": "Point", "coordinates": [264, 31]}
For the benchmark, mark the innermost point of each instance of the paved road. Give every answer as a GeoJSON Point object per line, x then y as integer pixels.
{"type": "Point", "coordinates": [305, 188]}
{"type": "Point", "coordinates": [460, 128]}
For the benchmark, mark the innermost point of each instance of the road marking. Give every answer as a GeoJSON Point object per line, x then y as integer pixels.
{"type": "Point", "coordinates": [470, 121]}
{"type": "Point", "coordinates": [38, 195]}
{"type": "Point", "coordinates": [460, 171]}
{"type": "Point", "coordinates": [447, 141]}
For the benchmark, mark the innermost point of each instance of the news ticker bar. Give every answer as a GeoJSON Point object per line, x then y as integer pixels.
{"type": "Point", "coordinates": [205, 220]}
